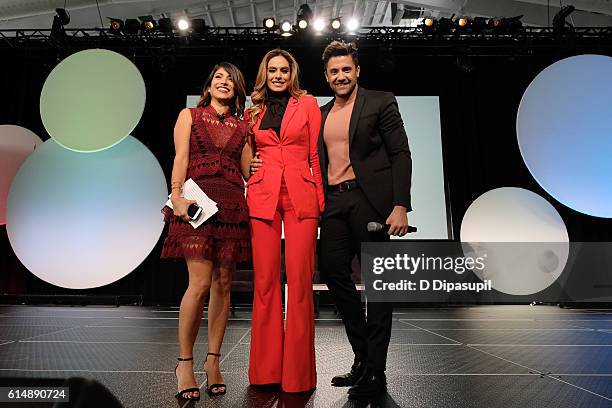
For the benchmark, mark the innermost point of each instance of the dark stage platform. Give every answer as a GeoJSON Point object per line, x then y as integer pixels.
{"type": "Point", "coordinates": [485, 356]}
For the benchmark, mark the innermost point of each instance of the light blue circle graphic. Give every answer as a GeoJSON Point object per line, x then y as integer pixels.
{"type": "Point", "coordinates": [564, 130]}
{"type": "Point", "coordinates": [80, 220]}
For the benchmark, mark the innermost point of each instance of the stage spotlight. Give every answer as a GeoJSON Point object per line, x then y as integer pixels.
{"type": "Point", "coordinates": [132, 26]}
{"type": "Point", "coordinates": [429, 25]}
{"type": "Point", "coordinates": [165, 25]}
{"type": "Point", "coordinates": [495, 23]}
{"type": "Point", "coordinates": [463, 23]}
{"type": "Point", "coordinates": [286, 28]}
{"type": "Point", "coordinates": [445, 25]}
{"type": "Point", "coordinates": [183, 24]}
{"type": "Point", "coordinates": [60, 19]}
{"type": "Point", "coordinates": [147, 24]}
{"type": "Point", "coordinates": [479, 24]}
{"type": "Point", "coordinates": [559, 20]}
{"type": "Point", "coordinates": [319, 25]}
{"type": "Point", "coordinates": [116, 26]}
{"type": "Point", "coordinates": [64, 17]}
{"type": "Point", "coordinates": [514, 24]}
{"type": "Point", "coordinates": [198, 26]}
{"type": "Point", "coordinates": [429, 21]}
{"type": "Point", "coordinates": [352, 25]}
{"type": "Point", "coordinates": [504, 24]}
{"type": "Point", "coordinates": [269, 24]}
{"type": "Point", "coordinates": [304, 16]}
{"type": "Point", "coordinates": [336, 24]}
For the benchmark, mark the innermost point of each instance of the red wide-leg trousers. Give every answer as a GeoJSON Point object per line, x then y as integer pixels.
{"type": "Point", "coordinates": [283, 356]}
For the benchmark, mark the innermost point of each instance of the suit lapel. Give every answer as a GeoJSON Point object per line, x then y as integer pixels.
{"type": "Point", "coordinates": [289, 112]}
{"type": "Point", "coordinates": [324, 112]}
{"type": "Point", "coordinates": [357, 107]}
{"type": "Point", "coordinates": [321, 143]}
{"type": "Point", "coordinates": [269, 132]}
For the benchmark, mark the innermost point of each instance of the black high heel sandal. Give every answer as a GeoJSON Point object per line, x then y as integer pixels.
{"type": "Point", "coordinates": [181, 394]}
{"type": "Point", "coordinates": [209, 389]}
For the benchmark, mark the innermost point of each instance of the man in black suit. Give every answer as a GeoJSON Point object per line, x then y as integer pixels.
{"type": "Point", "coordinates": [366, 166]}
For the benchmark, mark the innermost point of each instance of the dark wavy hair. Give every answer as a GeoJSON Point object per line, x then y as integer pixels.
{"type": "Point", "coordinates": [339, 49]}
{"type": "Point", "coordinates": [239, 88]}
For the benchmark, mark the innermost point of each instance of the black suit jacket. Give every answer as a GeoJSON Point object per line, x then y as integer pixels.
{"type": "Point", "coordinates": [378, 150]}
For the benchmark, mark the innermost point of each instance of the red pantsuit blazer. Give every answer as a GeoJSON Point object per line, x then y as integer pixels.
{"type": "Point", "coordinates": [291, 156]}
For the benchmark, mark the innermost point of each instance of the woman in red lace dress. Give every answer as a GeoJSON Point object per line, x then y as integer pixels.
{"type": "Point", "coordinates": [209, 141]}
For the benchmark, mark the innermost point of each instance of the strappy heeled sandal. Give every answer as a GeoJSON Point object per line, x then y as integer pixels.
{"type": "Point", "coordinates": [209, 388]}
{"type": "Point", "coordinates": [181, 394]}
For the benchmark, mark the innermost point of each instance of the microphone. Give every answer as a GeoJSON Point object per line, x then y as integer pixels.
{"type": "Point", "coordinates": [221, 117]}
{"type": "Point", "coordinates": [376, 227]}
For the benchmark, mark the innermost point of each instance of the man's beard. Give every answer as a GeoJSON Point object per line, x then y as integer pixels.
{"type": "Point", "coordinates": [346, 91]}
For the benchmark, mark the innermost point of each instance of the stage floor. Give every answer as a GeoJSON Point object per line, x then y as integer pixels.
{"type": "Point", "coordinates": [482, 356]}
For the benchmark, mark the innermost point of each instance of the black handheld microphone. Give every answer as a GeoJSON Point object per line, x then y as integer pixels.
{"type": "Point", "coordinates": [376, 227]}
{"type": "Point", "coordinates": [221, 117]}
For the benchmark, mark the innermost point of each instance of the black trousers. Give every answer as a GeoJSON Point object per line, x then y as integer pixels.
{"type": "Point", "coordinates": [343, 229]}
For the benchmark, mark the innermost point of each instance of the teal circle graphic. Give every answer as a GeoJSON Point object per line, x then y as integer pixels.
{"type": "Point", "coordinates": [92, 100]}
{"type": "Point", "coordinates": [84, 220]}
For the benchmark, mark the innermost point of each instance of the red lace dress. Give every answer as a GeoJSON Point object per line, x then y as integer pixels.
{"type": "Point", "coordinates": [215, 148]}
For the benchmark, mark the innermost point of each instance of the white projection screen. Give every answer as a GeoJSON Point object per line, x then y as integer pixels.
{"type": "Point", "coordinates": [421, 115]}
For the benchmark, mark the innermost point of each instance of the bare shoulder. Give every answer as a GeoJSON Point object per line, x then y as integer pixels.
{"type": "Point", "coordinates": [184, 116]}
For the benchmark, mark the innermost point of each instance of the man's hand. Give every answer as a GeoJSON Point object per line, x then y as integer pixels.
{"type": "Point", "coordinates": [256, 163]}
{"type": "Point", "coordinates": [398, 221]}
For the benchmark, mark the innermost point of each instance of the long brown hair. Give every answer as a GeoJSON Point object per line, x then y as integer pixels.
{"type": "Point", "coordinates": [260, 91]}
{"type": "Point", "coordinates": [239, 88]}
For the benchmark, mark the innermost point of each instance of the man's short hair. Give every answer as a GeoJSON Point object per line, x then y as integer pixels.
{"type": "Point", "coordinates": [340, 49]}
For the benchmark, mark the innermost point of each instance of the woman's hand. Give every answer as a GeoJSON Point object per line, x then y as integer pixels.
{"type": "Point", "coordinates": [256, 163]}
{"type": "Point", "coordinates": [180, 206]}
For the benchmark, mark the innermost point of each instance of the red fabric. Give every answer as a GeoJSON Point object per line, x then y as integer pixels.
{"type": "Point", "coordinates": [278, 356]}
{"type": "Point", "coordinates": [215, 149]}
{"type": "Point", "coordinates": [290, 158]}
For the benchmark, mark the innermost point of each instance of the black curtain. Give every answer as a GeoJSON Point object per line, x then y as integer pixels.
{"type": "Point", "coordinates": [479, 99]}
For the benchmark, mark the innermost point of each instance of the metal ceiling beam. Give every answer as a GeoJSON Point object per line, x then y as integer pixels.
{"type": "Point", "coordinates": [274, 9]}
{"type": "Point", "coordinates": [230, 10]}
{"type": "Point", "coordinates": [355, 8]}
{"type": "Point", "coordinates": [209, 14]}
{"type": "Point", "coordinates": [534, 14]}
{"type": "Point", "coordinates": [594, 6]}
{"type": "Point", "coordinates": [38, 13]}
{"type": "Point", "coordinates": [451, 6]}
{"type": "Point", "coordinates": [336, 9]}
{"type": "Point", "coordinates": [379, 14]}
{"type": "Point", "coordinates": [368, 13]}
{"type": "Point", "coordinates": [256, 21]}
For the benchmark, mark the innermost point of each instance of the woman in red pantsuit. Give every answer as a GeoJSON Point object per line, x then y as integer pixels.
{"type": "Point", "coordinates": [284, 124]}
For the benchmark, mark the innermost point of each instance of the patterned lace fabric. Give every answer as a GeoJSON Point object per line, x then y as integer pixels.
{"type": "Point", "coordinates": [215, 148]}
